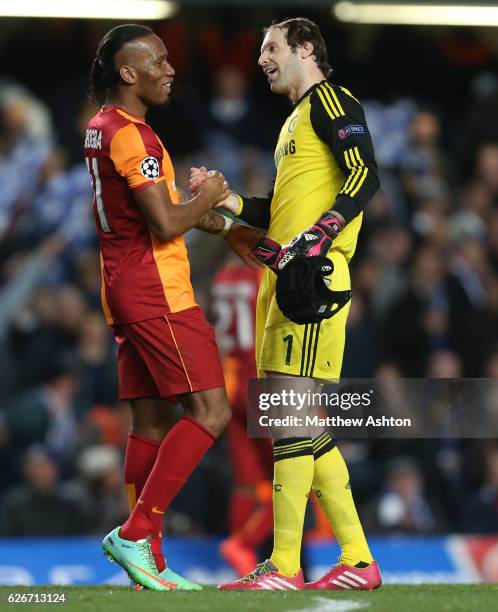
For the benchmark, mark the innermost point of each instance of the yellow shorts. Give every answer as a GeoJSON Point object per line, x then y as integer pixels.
{"type": "Point", "coordinates": [304, 350]}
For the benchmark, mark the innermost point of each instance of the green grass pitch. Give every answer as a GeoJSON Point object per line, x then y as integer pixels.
{"type": "Point", "coordinates": [390, 598]}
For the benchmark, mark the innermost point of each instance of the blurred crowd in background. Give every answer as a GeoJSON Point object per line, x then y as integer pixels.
{"type": "Point", "coordinates": [425, 275]}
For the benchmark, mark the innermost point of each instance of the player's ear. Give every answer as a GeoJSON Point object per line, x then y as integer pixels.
{"type": "Point", "coordinates": [306, 50]}
{"type": "Point", "coordinates": [128, 74]}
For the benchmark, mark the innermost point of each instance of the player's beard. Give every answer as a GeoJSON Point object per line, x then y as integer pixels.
{"type": "Point", "coordinates": [287, 76]}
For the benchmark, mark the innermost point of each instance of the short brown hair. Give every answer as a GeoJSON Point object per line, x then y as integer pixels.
{"type": "Point", "coordinates": [299, 30]}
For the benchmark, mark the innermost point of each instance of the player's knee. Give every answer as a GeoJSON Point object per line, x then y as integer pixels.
{"type": "Point", "coordinates": [152, 420]}
{"type": "Point", "coordinates": [214, 417]}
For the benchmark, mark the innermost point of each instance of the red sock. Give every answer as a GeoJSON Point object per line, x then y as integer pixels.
{"type": "Point", "coordinates": [140, 457]}
{"type": "Point", "coordinates": [180, 452]}
{"type": "Point", "coordinates": [141, 454]}
{"type": "Point", "coordinates": [258, 527]}
{"type": "Point", "coordinates": [241, 507]}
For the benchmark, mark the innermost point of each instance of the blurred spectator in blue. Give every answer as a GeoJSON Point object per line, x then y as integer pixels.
{"type": "Point", "coordinates": [47, 330]}
{"type": "Point", "coordinates": [393, 248]}
{"type": "Point", "coordinates": [419, 322]}
{"type": "Point", "coordinates": [475, 211]}
{"type": "Point", "coordinates": [389, 125]}
{"type": "Point", "coordinates": [425, 168]}
{"type": "Point", "coordinates": [45, 414]}
{"type": "Point", "coordinates": [402, 506]}
{"type": "Point", "coordinates": [25, 143]}
{"type": "Point", "coordinates": [63, 204]}
{"type": "Point", "coordinates": [37, 507]}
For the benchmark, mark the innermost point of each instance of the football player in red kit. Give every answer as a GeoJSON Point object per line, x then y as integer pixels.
{"type": "Point", "coordinates": [167, 350]}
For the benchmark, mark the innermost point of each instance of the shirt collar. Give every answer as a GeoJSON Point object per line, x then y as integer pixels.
{"type": "Point", "coordinates": [309, 91]}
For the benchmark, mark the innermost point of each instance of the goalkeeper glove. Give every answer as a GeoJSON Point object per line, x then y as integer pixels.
{"type": "Point", "coordinates": [315, 241]}
{"type": "Point", "coordinates": [302, 293]}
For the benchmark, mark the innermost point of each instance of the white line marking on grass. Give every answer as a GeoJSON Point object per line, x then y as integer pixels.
{"type": "Point", "coordinates": [324, 604]}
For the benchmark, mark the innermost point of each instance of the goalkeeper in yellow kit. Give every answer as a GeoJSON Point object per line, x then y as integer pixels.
{"type": "Point", "coordinates": [325, 174]}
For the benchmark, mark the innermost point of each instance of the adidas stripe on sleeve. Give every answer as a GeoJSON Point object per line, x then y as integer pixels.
{"type": "Point", "coordinates": [338, 119]}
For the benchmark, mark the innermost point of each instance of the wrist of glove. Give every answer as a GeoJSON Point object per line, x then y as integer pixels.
{"type": "Point", "coordinates": [315, 241]}
{"type": "Point", "coordinates": [331, 224]}
{"type": "Point", "coordinates": [268, 252]}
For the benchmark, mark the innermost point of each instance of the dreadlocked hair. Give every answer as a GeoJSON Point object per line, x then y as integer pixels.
{"type": "Point", "coordinates": [300, 30]}
{"type": "Point", "coordinates": [103, 74]}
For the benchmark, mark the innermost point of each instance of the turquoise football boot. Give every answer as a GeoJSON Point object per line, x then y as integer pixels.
{"type": "Point", "coordinates": [136, 559]}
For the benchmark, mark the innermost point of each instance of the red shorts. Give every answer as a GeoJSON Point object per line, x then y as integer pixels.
{"type": "Point", "coordinates": [167, 356]}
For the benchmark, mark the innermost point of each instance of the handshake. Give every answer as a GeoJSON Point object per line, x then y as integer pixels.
{"type": "Point", "coordinates": [213, 187]}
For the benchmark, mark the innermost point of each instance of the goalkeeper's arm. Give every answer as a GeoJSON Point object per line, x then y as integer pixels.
{"type": "Point", "coordinates": [346, 133]}
{"type": "Point", "coordinates": [255, 211]}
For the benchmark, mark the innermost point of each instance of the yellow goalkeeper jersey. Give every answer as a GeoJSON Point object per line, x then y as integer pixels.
{"type": "Point", "coordinates": [324, 160]}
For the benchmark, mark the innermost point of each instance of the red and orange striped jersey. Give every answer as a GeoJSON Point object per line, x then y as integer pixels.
{"type": "Point", "coordinates": [142, 277]}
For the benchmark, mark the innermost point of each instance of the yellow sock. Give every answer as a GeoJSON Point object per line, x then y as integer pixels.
{"type": "Point", "coordinates": [333, 490]}
{"type": "Point", "coordinates": [293, 475]}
